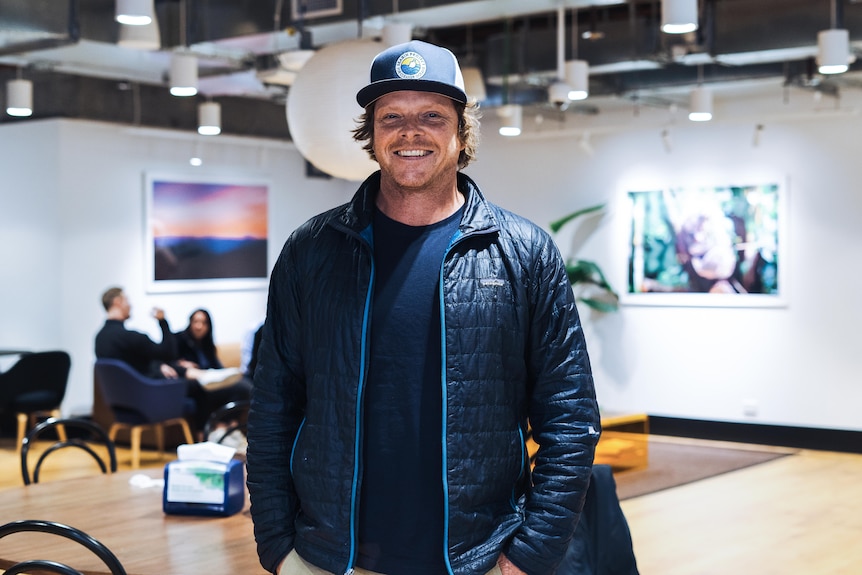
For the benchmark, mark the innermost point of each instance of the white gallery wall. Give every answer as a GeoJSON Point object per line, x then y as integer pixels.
{"type": "Point", "coordinates": [793, 365]}
{"type": "Point", "coordinates": [72, 224]}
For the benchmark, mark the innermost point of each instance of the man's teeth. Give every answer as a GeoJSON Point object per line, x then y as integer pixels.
{"type": "Point", "coordinates": [413, 153]}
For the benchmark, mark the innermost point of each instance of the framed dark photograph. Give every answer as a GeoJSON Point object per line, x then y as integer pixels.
{"type": "Point", "coordinates": [205, 234]}
{"type": "Point", "coordinates": [707, 246]}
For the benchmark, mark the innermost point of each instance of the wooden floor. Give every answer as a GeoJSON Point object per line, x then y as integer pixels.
{"type": "Point", "coordinates": [68, 462]}
{"type": "Point", "coordinates": [799, 514]}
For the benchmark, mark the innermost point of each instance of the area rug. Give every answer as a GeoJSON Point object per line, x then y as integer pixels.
{"type": "Point", "coordinates": [672, 464]}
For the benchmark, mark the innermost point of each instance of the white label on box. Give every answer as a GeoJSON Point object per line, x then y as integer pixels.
{"type": "Point", "coordinates": [196, 482]}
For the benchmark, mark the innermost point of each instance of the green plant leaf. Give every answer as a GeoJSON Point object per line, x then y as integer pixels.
{"type": "Point", "coordinates": [582, 272]}
{"type": "Point", "coordinates": [601, 305]}
{"type": "Point", "coordinates": [585, 271]}
{"type": "Point", "coordinates": [556, 225]}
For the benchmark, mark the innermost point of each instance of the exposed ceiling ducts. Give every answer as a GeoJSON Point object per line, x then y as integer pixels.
{"type": "Point", "coordinates": [69, 50]}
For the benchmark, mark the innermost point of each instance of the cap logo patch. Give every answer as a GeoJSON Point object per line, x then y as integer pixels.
{"type": "Point", "coordinates": [410, 66]}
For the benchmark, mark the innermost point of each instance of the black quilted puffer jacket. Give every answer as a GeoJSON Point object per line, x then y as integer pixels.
{"type": "Point", "coordinates": [514, 355]}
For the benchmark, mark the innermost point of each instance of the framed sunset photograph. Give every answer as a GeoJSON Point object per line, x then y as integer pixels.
{"type": "Point", "coordinates": [205, 234]}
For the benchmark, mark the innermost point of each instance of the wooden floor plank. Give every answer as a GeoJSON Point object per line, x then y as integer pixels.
{"type": "Point", "coordinates": [797, 514]}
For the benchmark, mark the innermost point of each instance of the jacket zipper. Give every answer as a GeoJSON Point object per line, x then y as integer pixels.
{"type": "Point", "coordinates": [445, 395]}
{"type": "Point", "coordinates": [366, 239]}
{"type": "Point", "coordinates": [457, 237]}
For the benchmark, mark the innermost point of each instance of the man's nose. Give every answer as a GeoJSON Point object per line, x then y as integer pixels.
{"type": "Point", "coordinates": [412, 126]}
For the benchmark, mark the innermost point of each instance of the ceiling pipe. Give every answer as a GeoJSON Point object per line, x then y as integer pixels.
{"type": "Point", "coordinates": [577, 72]}
{"type": "Point", "coordinates": [604, 82]}
{"type": "Point", "coordinates": [558, 91]}
{"type": "Point", "coordinates": [561, 43]}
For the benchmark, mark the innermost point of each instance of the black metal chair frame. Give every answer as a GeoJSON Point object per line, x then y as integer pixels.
{"type": "Point", "coordinates": [36, 525]}
{"type": "Point", "coordinates": [227, 410]}
{"type": "Point", "coordinates": [95, 431]}
{"type": "Point", "coordinates": [41, 565]}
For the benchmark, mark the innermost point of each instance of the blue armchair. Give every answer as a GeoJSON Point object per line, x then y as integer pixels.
{"type": "Point", "coordinates": [140, 403]}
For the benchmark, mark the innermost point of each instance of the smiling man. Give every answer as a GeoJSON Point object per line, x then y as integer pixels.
{"type": "Point", "coordinates": [413, 337]}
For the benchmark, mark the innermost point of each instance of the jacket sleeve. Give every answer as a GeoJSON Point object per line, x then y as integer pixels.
{"type": "Point", "coordinates": [275, 415]}
{"type": "Point", "coordinates": [563, 415]}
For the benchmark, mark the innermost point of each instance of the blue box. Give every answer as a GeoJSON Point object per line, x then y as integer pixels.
{"type": "Point", "coordinates": [204, 488]}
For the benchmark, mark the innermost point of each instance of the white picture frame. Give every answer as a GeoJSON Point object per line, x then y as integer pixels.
{"type": "Point", "coordinates": [205, 233]}
{"type": "Point", "coordinates": [719, 245]}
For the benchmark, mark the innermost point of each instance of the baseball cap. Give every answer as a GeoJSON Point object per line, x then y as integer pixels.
{"type": "Point", "coordinates": [415, 65]}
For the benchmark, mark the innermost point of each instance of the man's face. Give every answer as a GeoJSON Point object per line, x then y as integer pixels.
{"type": "Point", "coordinates": [121, 302]}
{"type": "Point", "coordinates": [416, 138]}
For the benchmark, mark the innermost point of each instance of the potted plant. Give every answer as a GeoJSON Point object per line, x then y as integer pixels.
{"type": "Point", "coordinates": [590, 285]}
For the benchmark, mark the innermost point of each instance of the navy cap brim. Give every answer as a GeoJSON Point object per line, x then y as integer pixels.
{"type": "Point", "coordinates": [375, 90]}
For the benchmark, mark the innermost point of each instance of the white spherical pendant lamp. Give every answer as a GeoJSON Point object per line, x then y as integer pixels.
{"type": "Point", "coordinates": [322, 108]}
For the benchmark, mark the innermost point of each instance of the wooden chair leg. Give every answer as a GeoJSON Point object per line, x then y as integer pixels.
{"type": "Point", "coordinates": [112, 433]}
{"type": "Point", "coordinates": [22, 430]}
{"type": "Point", "coordinates": [160, 439]}
{"type": "Point", "coordinates": [187, 431]}
{"type": "Point", "coordinates": [136, 446]}
{"type": "Point", "coordinates": [61, 429]}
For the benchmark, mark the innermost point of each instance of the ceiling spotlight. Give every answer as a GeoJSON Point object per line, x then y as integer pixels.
{"type": "Point", "coordinates": [19, 97]}
{"type": "Point", "coordinates": [209, 119]}
{"type": "Point", "coordinates": [833, 51]}
{"type": "Point", "coordinates": [558, 95]}
{"type": "Point", "coordinates": [134, 12]}
{"type": "Point", "coordinates": [511, 115]}
{"type": "Point", "coordinates": [700, 105]}
{"type": "Point", "coordinates": [145, 37]}
{"type": "Point", "coordinates": [678, 16]}
{"type": "Point", "coordinates": [184, 74]}
{"type": "Point", "coordinates": [578, 79]}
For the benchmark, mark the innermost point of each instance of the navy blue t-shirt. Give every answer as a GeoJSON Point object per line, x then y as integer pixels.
{"type": "Point", "coordinates": [401, 504]}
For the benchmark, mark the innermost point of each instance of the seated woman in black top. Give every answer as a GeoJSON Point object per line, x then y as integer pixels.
{"type": "Point", "coordinates": [195, 345]}
{"type": "Point", "coordinates": [196, 350]}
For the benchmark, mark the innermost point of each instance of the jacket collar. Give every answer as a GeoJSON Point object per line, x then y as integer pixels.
{"type": "Point", "coordinates": [478, 216]}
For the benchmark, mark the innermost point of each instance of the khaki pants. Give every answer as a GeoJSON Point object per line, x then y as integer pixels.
{"type": "Point", "coordinates": [293, 564]}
